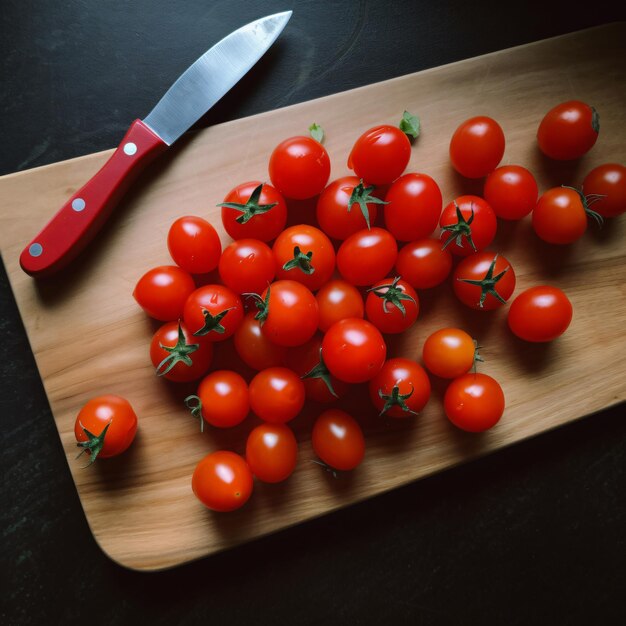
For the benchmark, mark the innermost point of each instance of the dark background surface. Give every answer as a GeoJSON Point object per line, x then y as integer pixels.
{"type": "Point", "coordinates": [531, 534]}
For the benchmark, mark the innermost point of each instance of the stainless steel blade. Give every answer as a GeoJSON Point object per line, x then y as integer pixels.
{"type": "Point", "coordinates": [212, 75]}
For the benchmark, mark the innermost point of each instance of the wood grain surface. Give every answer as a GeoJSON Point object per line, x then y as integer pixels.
{"type": "Point", "coordinates": [89, 336]}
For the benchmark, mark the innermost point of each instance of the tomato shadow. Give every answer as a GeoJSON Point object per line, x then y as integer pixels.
{"type": "Point", "coordinates": [611, 230]}
{"type": "Point", "coordinates": [532, 357]}
{"type": "Point", "coordinates": [509, 231]}
{"type": "Point", "coordinates": [556, 173]}
{"type": "Point", "coordinates": [462, 186]}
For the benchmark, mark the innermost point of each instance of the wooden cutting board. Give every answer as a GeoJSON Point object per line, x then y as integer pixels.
{"type": "Point", "coordinates": [89, 337]}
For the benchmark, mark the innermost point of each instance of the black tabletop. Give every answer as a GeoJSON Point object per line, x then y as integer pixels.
{"type": "Point", "coordinates": [530, 534]}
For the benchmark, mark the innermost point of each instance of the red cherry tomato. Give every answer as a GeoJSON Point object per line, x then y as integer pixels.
{"type": "Point", "coordinates": [299, 167]}
{"type": "Point", "coordinates": [162, 292]}
{"type": "Point", "coordinates": [561, 215]}
{"type": "Point", "coordinates": [392, 305]}
{"type": "Point", "coordinates": [380, 155]}
{"type": "Point", "coordinates": [194, 244]}
{"type": "Point", "coordinates": [354, 350]}
{"type": "Point", "coordinates": [179, 356]}
{"type": "Point", "coordinates": [247, 266]}
{"type": "Point", "coordinates": [222, 481]}
{"type": "Point", "coordinates": [105, 427]}
{"type": "Point", "coordinates": [308, 363]}
{"type": "Point", "coordinates": [276, 395]}
{"type": "Point", "coordinates": [338, 440]}
{"type": "Point", "coordinates": [223, 398]}
{"type": "Point", "coordinates": [474, 402]}
{"type": "Point", "coordinates": [477, 147]}
{"type": "Point", "coordinates": [414, 206]}
{"type": "Point", "coordinates": [288, 313]}
{"type": "Point", "coordinates": [254, 215]}
{"type": "Point", "coordinates": [477, 225]}
{"type": "Point", "coordinates": [400, 389]}
{"type": "Point", "coordinates": [254, 348]}
{"type": "Point", "coordinates": [305, 254]}
{"type": "Point", "coordinates": [605, 188]}
{"type": "Point", "coordinates": [272, 452]}
{"type": "Point", "coordinates": [345, 207]}
{"type": "Point", "coordinates": [484, 281]}
{"type": "Point", "coordinates": [367, 256]}
{"type": "Point", "coordinates": [423, 264]}
{"type": "Point", "coordinates": [511, 191]}
{"type": "Point", "coordinates": [568, 131]}
{"type": "Point", "coordinates": [338, 300]}
{"type": "Point", "coordinates": [449, 352]}
{"type": "Point", "coordinates": [213, 312]}
{"type": "Point", "coordinates": [540, 314]}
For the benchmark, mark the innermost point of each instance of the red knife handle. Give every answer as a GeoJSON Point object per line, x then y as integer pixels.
{"type": "Point", "coordinates": [80, 218]}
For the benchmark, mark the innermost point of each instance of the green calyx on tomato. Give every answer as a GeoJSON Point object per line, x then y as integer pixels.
{"type": "Point", "coordinates": [361, 195]}
{"type": "Point", "coordinates": [301, 261]}
{"type": "Point", "coordinates": [410, 125]}
{"type": "Point", "coordinates": [321, 371]}
{"type": "Point", "coordinates": [212, 323]}
{"type": "Point", "coordinates": [395, 398]}
{"type": "Point", "coordinates": [317, 132]}
{"type": "Point", "coordinates": [477, 356]}
{"type": "Point", "coordinates": [250, 208]}
{"type": "Point", "coordinates": [262, 305]}
{"type": "Point", "coordinates": [587, 201]}
{"type": "Point", "coordinates": [459, 230]}
{"type": "Point", "coordinates": [94, 443]}
{"type": "Point", "coordinates": [595, 120]}
{"type": "Point", "coordinates": [177, 354]}
{"type": "Point", "coordinates": [194, 404]}
{"type": "Point", "coordinates": [392, 293]}
{"type": "Point", "coordinates": [487, 286]}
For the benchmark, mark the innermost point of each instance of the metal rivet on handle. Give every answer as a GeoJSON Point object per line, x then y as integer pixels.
{"type": "Point", "coordinates": [130, 148]}
{"type": "Point", "coordinates": [35, 249]}
{"type": "Point", "coordinates": [78, 204]}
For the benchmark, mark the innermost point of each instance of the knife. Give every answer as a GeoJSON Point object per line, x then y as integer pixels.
{"type": "Point", "coordinates": [186, 101]}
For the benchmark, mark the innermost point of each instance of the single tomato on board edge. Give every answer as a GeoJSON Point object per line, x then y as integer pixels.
{"type": "Point", "coordinates": [338, 440]}
{"type": "Point", "coordinates": [105, 427]}
{"type": "Point", "coordinates": [605, 188]}
{"type": "Point", "coordinates": [477, 147]}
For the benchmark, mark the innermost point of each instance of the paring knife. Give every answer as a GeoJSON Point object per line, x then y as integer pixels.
{"type": "Point", "coordinates": [186, 101]}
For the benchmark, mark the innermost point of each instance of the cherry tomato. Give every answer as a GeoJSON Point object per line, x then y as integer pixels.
{"type": "Point", "coordinates": [477, 147]}
{"type": "Point", "coordinates": [272, 452]}
{"type": "Point", "coordinates": [288, 313]}
{"type": "Point", "coordinates": [568, 131]}
{"type": "Point", "coordinates": [475, 228]}
{"type": "Point", "coordinates": [346, 206]}
{"type": "Point", "coordinates": [179, 356]}
{"type": "Point", "coordinates": [449, 352]}
{"type": "Point", "coordinates": [423, 264]}
{"type": "Point", "coordinates": [338, 440]}
{"type": "Point", "coordinates": [305, 254]}
{"type": "Point", "coordinates": [400, 389]}
{"type": "Point", "coordinates": [162, 292]}
{"type": "Point", "coordinates": [194, 244]}
{"type": "Point", "coordinates": [247, 266]}
{"type": "Point", "coordinates": [511, 191]}
{"type": "Point", "coordinates": [540, 314]}
{"type": "Point", "coordinates": [299, 167]}
{"type": "Point", "coordinates": [222, 481]}
{"type": "Point", "coordinates": [414, 206]}
{"type": "Point", "coordinates": [561, 215]}
{"type": "Point", "coordinates": [338, 300]}
{"type": "Point", "coordinates": [392, 305]}
{"type": "Point", "coordinates": [213, 312]}
{"type": "Point", "coordinates": [254, 348]}
{"type": "Point", "coordinates": [474, 402]}
{"type": "Point", "coordinates": [380, 155]}
{"type": "Point", "coordinates": [484, 281]}
{"type": "Point", "coordinates": [367, 256]}
{"type": "Point", "coordinates": [223, 398]}
{"type": "Point", "coordinates": [276, 395]}
{"type": "Point", "coordinates": [308, 363]}
{"type": "Point", "coordinates": [354, 350]}
{"type": "Point", "coordinates": [105, 427]}
{"type": "Point", "coordinates": [252, 211]}
{"type": "Point", "coordinates": [605, 188]}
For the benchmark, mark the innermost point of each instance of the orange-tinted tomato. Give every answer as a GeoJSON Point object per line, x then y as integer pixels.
{"type": "Point", "coordinates": [449, 352]}
{"type": "Point", "coordinates": [222, 481]}
{"type": "Point", "coordinates": [224, 397]}
{"type": "Point", "coordinates": [272, 452]}
{"type": "Point", "coordinates": [474, 402]}
{"type": "Point", "coordinates": [609, 182]}
{"type": "Point", "coordinates": [338, 440]}
{"type": "Point", "coordinates": [247, 266]}
{"type": "Point", "coordinates": [254, 348]}
{"type": "Point", "coordinates": [276, 395]}
{"type": "Point", "coordinates": [162, 292]}
{"type": "Point", "coordinates": [423, 264]}
{"type": "Point", "coordinates": [367, 256]}
{"type": "Point", "coordinates": [511, 191]}
{"type": "Point", "coordinates": [194, 244]}
{"type": "Point", "coordinates": [477, 146]}
{"type": "Point", "coordinates": [338, 300]}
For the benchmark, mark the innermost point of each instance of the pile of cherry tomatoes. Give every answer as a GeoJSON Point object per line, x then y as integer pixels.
{"type": "Point", "coordinates": [309, 313]}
